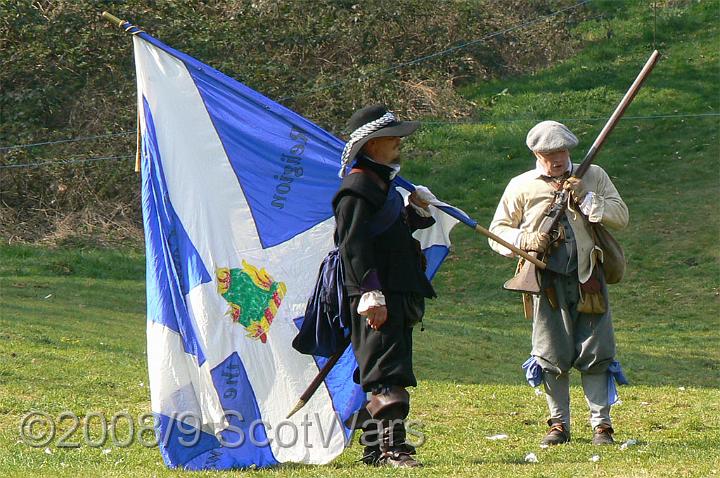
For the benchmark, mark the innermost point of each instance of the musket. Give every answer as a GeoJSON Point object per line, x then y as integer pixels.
{"type": "Point", "coordinates": [526, 279]}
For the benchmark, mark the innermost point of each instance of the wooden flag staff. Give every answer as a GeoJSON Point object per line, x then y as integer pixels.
{"type": "Point", "coordinates": [119, 23]}
{"type": "Point", "coordinates": [113, 19]}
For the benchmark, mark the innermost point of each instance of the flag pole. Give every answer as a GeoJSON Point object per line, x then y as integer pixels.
{"type": "Point", "coordinates": [472, 224]}
{"type": "Point", "coordinates": [315, 384]}
{"type": "Point", "coordinates": [113, 19]}
{"type": "Point", "coordinates": [138, 139]}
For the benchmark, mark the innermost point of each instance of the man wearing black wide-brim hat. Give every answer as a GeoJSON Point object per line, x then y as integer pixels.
{"type": "Point", "coordinates": [384, 276]}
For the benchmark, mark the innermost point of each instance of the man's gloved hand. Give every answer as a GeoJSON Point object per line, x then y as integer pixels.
{"type": "Point", "coordinates": [422, 197]}
{"type": "Point", "coordinates": [576, 187]}
{"type": "Point", "coordinates": [534, 241]}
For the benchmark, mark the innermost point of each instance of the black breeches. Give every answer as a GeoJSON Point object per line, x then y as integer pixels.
{"type": "Point", "coordinates": [384, 356]}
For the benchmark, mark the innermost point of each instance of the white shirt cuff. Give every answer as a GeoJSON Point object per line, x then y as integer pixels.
{"type": "Point", "coordinates": [371, 299]}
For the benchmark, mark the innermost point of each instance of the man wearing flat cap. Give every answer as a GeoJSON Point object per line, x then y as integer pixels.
{"type": "Point", "coordinates": [572, 325]}
{"type": "Point", "coordinates": [384, 277]}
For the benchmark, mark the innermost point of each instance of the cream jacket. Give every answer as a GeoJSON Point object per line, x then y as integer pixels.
{"type": "Point", "coordinates": [527, 197]}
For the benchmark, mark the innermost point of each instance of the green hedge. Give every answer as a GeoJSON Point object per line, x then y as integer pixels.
{"type": "Point", "coordinates": [67, 73]}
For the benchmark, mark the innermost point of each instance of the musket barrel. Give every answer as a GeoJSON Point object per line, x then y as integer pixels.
{"type": "Point", "coordinates": [617, 114]}
{"type": "Point", "coordinates": [589, 157]}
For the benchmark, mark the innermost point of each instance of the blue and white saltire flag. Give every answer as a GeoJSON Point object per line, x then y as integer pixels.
{"type": "Point", "coordinates": [236, 193]}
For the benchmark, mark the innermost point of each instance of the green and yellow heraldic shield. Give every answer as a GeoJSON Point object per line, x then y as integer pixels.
{"type": "Point", "coordinates": [254, 297]}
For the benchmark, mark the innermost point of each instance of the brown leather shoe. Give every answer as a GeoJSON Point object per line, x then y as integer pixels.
{"type": "Point", "coordinates": [556, 435]}
{"type": "Point", "coordinates": [603, 435]}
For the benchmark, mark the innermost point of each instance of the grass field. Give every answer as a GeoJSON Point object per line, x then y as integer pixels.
{"type": "Point", "coordinates": [72, 322]}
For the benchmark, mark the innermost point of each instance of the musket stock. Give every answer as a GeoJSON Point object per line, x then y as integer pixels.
{"type": "Point", "coordinates": [526, 279]}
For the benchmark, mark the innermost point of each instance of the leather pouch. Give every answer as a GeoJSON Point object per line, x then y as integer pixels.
{"type": "Point", "coordinates": [413, 308]}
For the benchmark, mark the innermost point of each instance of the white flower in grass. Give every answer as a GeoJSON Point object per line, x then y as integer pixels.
{"type": "Point", "coordinates": [531, 458]}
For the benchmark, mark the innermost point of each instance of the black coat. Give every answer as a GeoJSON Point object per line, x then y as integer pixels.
{"type": "Point", "coordinates": [391, 261]}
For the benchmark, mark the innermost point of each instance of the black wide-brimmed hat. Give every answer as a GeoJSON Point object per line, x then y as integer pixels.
{"type": "Point", "coordinates": [374, 121]}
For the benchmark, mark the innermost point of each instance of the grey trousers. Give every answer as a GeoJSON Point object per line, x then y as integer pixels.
{"type": "Point", "coordinates": [557, 393]}
{"type": "Point", "coordinates": [563, 339]}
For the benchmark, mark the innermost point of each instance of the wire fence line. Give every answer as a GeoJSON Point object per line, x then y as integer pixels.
{"type": "Point", "coordinates": [432, 123]}
{"type": "Point", "coordinates": [571, 120]}
{"type": "Point", "coordinates": [66, 161]}
{"type": "Point", "coordinates": [69, 140]}
{"type": "Point", "coordinates": [429, 122]}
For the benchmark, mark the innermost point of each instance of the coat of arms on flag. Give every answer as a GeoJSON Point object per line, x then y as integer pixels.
{"type": "Point", "coordinates": [236, 193]}
{"type": "Point", "coordinates": [253, 296]}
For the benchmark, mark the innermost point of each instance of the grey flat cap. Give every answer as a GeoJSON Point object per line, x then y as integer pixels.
{"type": "Point", "coordinates": [549, 136]}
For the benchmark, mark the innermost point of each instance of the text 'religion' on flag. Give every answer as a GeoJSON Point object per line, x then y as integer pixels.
{"type": "Point", "coordinates": [236, 198]}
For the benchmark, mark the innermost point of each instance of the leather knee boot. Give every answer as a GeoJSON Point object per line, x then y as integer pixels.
{"type": "Point", "coordinates": [390, 406]}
